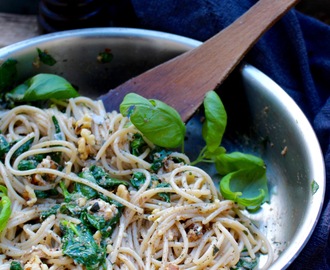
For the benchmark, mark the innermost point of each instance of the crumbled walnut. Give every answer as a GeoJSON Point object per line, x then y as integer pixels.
{"type": "Point", "coordinates": [88, 136]}
{"type": "Point", "coordinates": [122, 192]}
{"type": "Point", "coordinates": [35, 264]}
{"type": "Point", "coordinates": [84, 122]}
{"type": "Point", "coordinates": [29, 195]}
{"type": "Point", "coordinates": [171, 266]}
{"type": "Point", "coordinates": [102, 208]}
{"type": "Point", "coordinates": [195, 232]}
{"type": "Point", "coordinates": [82, 149]}
{"type": "Point", "coordinates": [284, 151]}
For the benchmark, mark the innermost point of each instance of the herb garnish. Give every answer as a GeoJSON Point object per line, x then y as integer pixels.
{"type": "Point", "coordinates": [5, 210]}
{"type": "Point", "coordinates": [15, 265]}
{"type": "Point", "coordinates": [105, 57]}
{"type": "Point", "coordinates": [79, 244]}
{"type": "Point", "coordinates": [157, 121]}
{"type": "Point", "coordinates": [42, 86]}
{"type": "Point", "coordinates": [315, 187]}
{"type": "Point", "coordinates": [8, 75]}
{"type": "Point", "coordinates": [244, 175]}
{"type": "Point", "coordinates": [46, 58]}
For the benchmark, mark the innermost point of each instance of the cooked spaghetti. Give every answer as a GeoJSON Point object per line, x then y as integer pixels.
{"type": "Point", "coordinates": [88, 191]}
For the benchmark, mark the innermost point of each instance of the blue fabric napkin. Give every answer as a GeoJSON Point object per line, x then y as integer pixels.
{"type": "Point", "coordinates": [295, 53]}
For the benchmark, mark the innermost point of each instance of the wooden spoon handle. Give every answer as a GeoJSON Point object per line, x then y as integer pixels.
{"type": "Point", "coordinates": [183, 81]}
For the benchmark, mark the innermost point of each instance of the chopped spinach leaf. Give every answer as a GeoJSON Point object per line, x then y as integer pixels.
{"type": "Point", "coordinates": [103, 179]}
{"type": "Point", "coordinates": [138, 145]}
{"type": "Point", "coordinates": [79, 244]}
{"type": "Point", "coordinates": [15, 265]}
{"type": "Point", "coordinates": [166, 196]}
{"type": "Point", "coordinates": [245, 263]}
{"type": "Point", "coordinates": [138, 179]}
{"type": "Point", "coordinates": [108, 200]}
{"type": "Point", "coordinates": [58, 132]}
{"type": "Point", "coordinates": [215, 250]}
{"type": "Point", "coordinates": [32, 161]}
{"type": "Point", "coordinates": [43, 194]}
{"type": "Point", "coordinates": [84, 190]}
{"type": "Point", "coordinates": [46, 58]}
{"type": "Point", "coordinates": [71, 208]}
{"type": "Point", "coordinates": [105, 57]}
{"type": "Point", "coordinates": [23, 148]}
{"type": "Point", "coordinates": [4, 146]}
{"type": "Point", "coordinates": [157, 157]}
{"type": "Point", "coordinates": [27, 164]}
{"type": "Point", "coordinates": [52, 211]}
{"type": "Point", "coordinates": [99, 223]}
{"type": "Point", "coordinates": [8, 75]}
{"type": "Point", "coordinates": [315, 187]}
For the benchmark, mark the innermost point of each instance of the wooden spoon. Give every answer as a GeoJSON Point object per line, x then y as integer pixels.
{"type": "Point", "coordinates": [183, 81]}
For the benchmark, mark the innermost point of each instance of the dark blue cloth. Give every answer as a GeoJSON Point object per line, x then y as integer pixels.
{"type": "Point", "coordinates": [295, 53]}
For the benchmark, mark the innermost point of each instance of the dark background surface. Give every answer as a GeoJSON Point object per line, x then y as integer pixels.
{"type": "Point", "coordinates": [319, 9]}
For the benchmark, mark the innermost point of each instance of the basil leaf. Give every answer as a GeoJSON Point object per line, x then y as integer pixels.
{"type": "Point", "coordinates": [215, 121]}
{"type": "Point", "coordinates": [245, 180]}
{"type": "Point", "coordinates": [43, 87]}
{"type": "Point", "coordinates": [158, 122]}
{"type": "Point", "coordinates": [8, 74]}
{"type": "Point", "coordinates": [5, 210]}
{"type": "Point", "coordinates": [246, 187]}
{"type": "Point", "coordinates": [227, 163]}
{"type": "Point", "coordinates": [17, 94]}
{"type": "Point", "coordinates": [213, 155]}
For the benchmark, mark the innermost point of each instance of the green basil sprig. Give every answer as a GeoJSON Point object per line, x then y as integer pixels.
{"type": "Point", "coordinates": [244, 175]}
{"type": "Point", "coordinates": [43, 87]}
{"type": "Point", "coordinates": [5, 210]}
{"type": "Point", "coordinates": [244, 187]}
{"type": "Point", "coordinates": [158, 122]}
